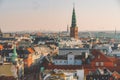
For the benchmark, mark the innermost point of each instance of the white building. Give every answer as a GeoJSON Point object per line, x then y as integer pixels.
{"type": "Point", "coordinates": [116, 53]}
{"type": "Point", "coordinates": [71, 56]}
{"type": "Point", "coordinates": [70, 43]}
{"type": "Point", "coordinates": [76, 51]}
{"type": "Point", "coordinates": [68, 59]}
{"type": "Point", "coordinates": [106, 48]}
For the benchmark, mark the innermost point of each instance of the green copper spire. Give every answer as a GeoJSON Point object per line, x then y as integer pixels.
{"type": "Point", "coordinates": [73, 18]}
{"type": "Point", "coordinates": [14, 55]}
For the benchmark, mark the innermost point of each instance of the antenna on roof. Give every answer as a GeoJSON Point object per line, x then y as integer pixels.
{"type": "Point", "coordinates": [115, 33]}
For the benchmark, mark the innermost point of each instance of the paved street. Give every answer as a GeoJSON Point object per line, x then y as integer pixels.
{"type": "Point", "coordinates": [34, 71]}
{"type": "Point", "coordinates": [32, 76]}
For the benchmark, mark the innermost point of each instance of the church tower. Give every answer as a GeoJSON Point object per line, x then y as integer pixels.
{"type": "Point", "coordinates": [14, 55]}
{"type": "Point", "coordinates": [1, 33]}
{"type": "Point", "coordinates": [74, 28]}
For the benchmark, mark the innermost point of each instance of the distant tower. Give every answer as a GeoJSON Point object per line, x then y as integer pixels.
{"type": "Point", "coordinates": [74, 28]}
{"type": "Point", "coordinates": [67, 29]}
{"type": "Point", "coordinates": [1, 32]}
{"type": "Point", "coordinates": [115, 35]}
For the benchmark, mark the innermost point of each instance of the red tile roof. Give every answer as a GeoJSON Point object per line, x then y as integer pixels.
{"type": "Point", "coordinates": [1, 47]}
{"type": "Point", "coordinates": [99, 56]}
{"type": "Point", "coordinates": [30, 50]}
{"type": "Point", "coordinates": [116, 74]}
{"type": "Point", "coordinates": [113, 59]}
{"type": "Point", "coordinates": [89, 67]}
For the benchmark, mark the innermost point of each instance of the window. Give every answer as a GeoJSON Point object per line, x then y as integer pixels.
{"type": "Point", "coordinates": [75, 61]}
{"type": "Point", "coordinates": [64, 61]}
{"type": "Point", "coordinates": [70, 58]}
{"type": "Point", "coordinates": [97, 63]}
{"type": "Point", "coordinates": [102, 63]}
{"type": "Point", "coordinates": [60, 61]}
{"type": "Point", "coordinates": [56, 61]}
{"type": "Point", "coordinates": [99, 57]}
{"type": "Point", "coordinates": [115, 65]}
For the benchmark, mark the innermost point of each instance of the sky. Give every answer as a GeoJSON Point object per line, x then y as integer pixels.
{"type": "Point", "coordinates": [55, 15]}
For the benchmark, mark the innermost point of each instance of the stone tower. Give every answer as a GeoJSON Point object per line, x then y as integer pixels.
{"type": "Point", "coordinates": [74, 28]}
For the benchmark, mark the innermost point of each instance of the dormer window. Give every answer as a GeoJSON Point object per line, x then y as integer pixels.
{"type": "Point", "coordinates": [102, 63]}
{"type": "Point", "coordinates": [64, 61]}
{"type": "Point", "coordinates": [115, 65]}
{"type": "Point", "coordinates": [97, 63]}
{"type": "Point", "coordinates": [98, 56]}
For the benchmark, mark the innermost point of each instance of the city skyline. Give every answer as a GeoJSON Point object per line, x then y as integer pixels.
{"type": "Point", "coordinates": [51, 15]}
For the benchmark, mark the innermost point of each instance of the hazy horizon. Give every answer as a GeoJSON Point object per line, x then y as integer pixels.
{"type": "Point", "coordinates": [55, 15]}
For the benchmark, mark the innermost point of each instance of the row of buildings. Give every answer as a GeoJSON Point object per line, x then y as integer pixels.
{"type": "Point", "coordinates": [84, 58]}
{"type": "Point", "coordinates": [52, 56]}
{"type": "Point", "coordinates": [19, 55]}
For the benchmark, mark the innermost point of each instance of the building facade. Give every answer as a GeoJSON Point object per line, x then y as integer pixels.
{"type": "Point", "coordinates": [69, 59]}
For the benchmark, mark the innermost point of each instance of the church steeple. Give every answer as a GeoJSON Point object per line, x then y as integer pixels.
{"type": "Point", "coordinates": [74, 28]}
{"type": "Point", "coordinates": [14, 55]}
{"type": "Point", "coordinates": [1, 32]}
{"type": "Point", "coordinates": [73, 18]}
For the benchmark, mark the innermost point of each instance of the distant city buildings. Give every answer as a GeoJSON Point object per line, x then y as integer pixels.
{"type": "Point", "coordinates": [66, 55]}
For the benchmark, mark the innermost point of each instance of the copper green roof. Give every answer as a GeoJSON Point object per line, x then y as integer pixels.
{"type": "Point", "coordinates": [73, 19]}
{"type": "Point", "coordinates": [14, 55]}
